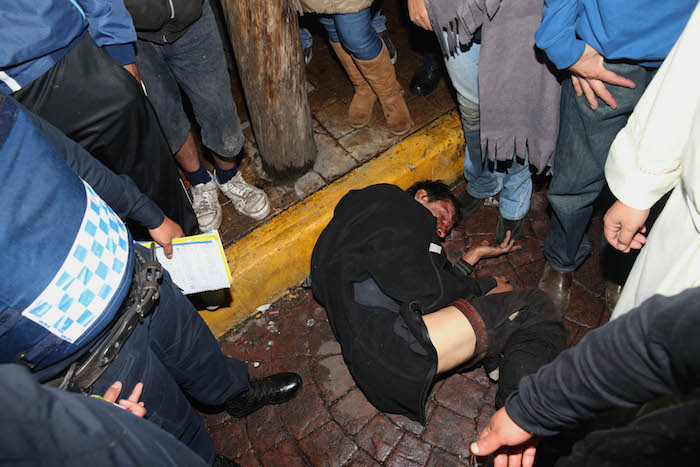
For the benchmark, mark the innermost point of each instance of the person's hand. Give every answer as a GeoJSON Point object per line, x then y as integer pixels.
{"type": "Point", "coordinates": [486, 250]}
{"type": "Point", "coordinates": [131, 68]}
{"type": "Point", "coordinates": [624, 227]}
{"type": "Point", "coordinates": [502, 285]}
{"type": "Point", "coordinates": [517, 446]}
{"type": "Point", "coordinates": [164, 234]}
{"type": "Point", "coordinates": [131, 404]}
{"type": "Point", "coordinates": [419, 14]}
{"type": "Point", "coordinates": [588, 75]}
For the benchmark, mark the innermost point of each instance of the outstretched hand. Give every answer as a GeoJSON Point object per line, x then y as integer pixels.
{"type": "Point", "coordinates": [131, 404]}
{"type": "Point", "coordinates": [164, 234]}
{"type": "Point", "coordinates": [589, 74]}
{"type": "Point", "coordinates": [624, 227]}
{"type": "Point", "coordinates": [517, 446]}
{"type": "Point", "coordinates": [486, 250]}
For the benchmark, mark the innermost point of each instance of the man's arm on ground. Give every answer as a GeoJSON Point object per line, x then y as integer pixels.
{"type": "Point", "coordinates": [649, 352]}
{"type": "Point", "coordinates": [120, 192]}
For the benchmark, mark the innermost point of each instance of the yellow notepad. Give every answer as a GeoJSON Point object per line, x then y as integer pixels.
{"type": "Point", "coordinates": [198, 264]}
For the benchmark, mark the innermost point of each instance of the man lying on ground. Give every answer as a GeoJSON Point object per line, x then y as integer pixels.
{"type": "Point", "coordinates": [403, 314]}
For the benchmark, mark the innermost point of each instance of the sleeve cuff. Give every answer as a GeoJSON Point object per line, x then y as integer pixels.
{"type": "Point", "coordinates": [463, 268]}
{"type": "Point", "coordinates": [565, 51]}
{"type": "Point", "coordinates": [122, 53]}
{"type": "Point", "coordinates": [516, 413]}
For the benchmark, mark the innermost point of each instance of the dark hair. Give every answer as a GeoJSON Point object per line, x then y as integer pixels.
{"type": "Point", "coordinates": [437, 191]}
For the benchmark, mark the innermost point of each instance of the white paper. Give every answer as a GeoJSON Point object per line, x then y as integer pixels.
{"type": "Point", "coordinates": [198, 263]}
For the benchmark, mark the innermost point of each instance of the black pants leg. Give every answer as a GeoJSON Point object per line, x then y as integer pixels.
{"type": "Point", "coordinates": [94, 101]}
{"type": "Point", "coordinates": [533, 338]}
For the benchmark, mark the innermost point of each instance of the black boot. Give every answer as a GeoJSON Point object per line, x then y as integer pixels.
{"type": "Point", "coordinates": [425, 80]}
{"type": "Point", "coordinates": [468, 204]}
{"type": "Point", "coordinates": [504, 225]}
{"type": "Point", "coordinates": [274, 389]}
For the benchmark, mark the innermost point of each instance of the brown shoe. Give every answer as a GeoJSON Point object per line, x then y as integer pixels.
{"type": "Point", "coordinates": [380, 74]}
{"type": "Point", "coordinates": [558, 286]}
{"type": "Point", "coordinates": [362, 103]}
{"type": "Point", "coordinates": [612, 294]}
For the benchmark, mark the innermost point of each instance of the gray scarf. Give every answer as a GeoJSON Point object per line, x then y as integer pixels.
{"type": "Point", "coordinates": [518, 94]}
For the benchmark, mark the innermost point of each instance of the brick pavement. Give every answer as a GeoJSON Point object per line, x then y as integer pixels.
{"type": "Point", "coordinates": [331, 423]}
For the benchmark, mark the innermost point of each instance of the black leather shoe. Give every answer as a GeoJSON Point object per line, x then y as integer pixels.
{"type": "Point", "coordinates": [558, 286]}
{"type": "Point", "coordinates": [613, 290]}
{"type": "Point", "coordinates": [425, 80]}
{"type": "Point", "coordinates": [273, 389]}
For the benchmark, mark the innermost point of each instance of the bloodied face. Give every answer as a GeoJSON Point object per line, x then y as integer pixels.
{"type": "Point", "coordinates": [443, 210]}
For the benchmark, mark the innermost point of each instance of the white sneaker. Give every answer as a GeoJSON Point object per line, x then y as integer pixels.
{"type": "Point", "coordinates": [247, 199]}
{"type": "Point", "coordinates": [205, 202]}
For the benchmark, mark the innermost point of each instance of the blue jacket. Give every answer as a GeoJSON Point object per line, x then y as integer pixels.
{"type": "Point", "coordinates": [642, 31]}
{"type": "Point", "coordinates": [67, 257]}
{"type": "Point", "coordinates": [35, 35]}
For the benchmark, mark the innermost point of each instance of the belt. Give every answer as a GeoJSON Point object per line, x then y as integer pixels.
{"type": "Point", "coordinates": [143, 294]}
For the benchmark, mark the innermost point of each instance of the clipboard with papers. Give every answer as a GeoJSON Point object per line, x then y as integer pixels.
{"type": "Point", "coordinates": [198, 264]}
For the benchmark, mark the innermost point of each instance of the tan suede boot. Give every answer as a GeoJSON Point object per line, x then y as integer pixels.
{"type": "Point", "coordinates": [360, 110]}
{"type": "Point", "coordinates": [381, 75]}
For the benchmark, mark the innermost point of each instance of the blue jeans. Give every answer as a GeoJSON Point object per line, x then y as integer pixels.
{"type": "Point", "coordinates": [585, 136]}
{"type": "Point", "coordinates": [515, 182]}
{"type": "Point", "coordinates": [196, 63]}
{"type": "Point", "coordinates": [355, 32]}
{"type": "Point", "coordinates": [174, 354]}
{"type": "Point", "coordinates": [378, 23]}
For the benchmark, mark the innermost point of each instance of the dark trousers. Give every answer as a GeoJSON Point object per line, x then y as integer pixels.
{"type": "Point", "coordinates": [585, 137]}
{"type": "Point", "coordinates": [529, 341]}
{"type": "Point", "coordinates": [174, 354]}
{"type": "Point", "coordinates": [94, 101]}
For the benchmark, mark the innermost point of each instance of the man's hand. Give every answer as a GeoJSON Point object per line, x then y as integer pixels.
{"type": "Point", "coordinates": [624, 227]}
{"type": "Point", "coordinates": [588, 75]}
{"type": "Point", "coordinates": [164, 234]}
{"type": "Point", "coordinates": [131, 404]}
{"type": "Point", "coordinates": [486, 250]}
{"type": "Point", "coordinates": [502, 285]}
{"type": "Point", "coordinates": [518, 445]}
{"type": "Point", "coordinates": [131, 68]}
{"type": "Point", "coordinates": [419, 14]}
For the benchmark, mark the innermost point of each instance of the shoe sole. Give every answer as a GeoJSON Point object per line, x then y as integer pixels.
{"type": "Point", "coordinates": [258, 215]}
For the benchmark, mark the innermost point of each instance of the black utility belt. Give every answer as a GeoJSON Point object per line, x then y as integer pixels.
{"type": "Point", "coordinates": [139, 303]}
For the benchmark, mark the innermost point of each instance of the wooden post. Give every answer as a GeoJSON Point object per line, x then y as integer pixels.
{"type": "Point", "coordinates": [265, 39]}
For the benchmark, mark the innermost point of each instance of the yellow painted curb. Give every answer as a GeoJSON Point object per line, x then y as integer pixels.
{"type": "Point", "coordinates": [276, 255]}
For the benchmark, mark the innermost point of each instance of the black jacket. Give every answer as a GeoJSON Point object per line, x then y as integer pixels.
{"type": "Point", "coordinates": [163, 21]}
{"type": "Point", "coordinates": [382, 233]}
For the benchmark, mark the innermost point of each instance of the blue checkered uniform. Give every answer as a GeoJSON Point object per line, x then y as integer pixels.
{"type": "Point", "coordinates": [67, 267]}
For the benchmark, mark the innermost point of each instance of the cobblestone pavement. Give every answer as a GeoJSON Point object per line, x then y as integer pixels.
{"type": "Point", "coordinates": [331, 423]}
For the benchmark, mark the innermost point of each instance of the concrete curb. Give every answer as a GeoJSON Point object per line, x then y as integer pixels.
{"type": "Point", "coordinates": [276, 255]}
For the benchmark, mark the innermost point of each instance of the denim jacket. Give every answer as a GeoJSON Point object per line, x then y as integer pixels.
{"type": "Point", "coordinates": [35, 35]}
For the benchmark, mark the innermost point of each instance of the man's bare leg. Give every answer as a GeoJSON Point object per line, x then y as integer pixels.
{"type": "Point", "coordinates": [452, 336]}
{"type": "Point", "coordinates": [188, 155]}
